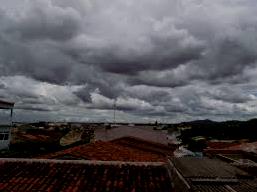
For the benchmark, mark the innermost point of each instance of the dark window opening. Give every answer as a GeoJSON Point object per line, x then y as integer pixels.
{"type": "Point", "coordinates": [4, 136]}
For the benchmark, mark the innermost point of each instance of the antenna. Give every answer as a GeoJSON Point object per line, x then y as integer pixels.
{"type": "Point", "coordinates": [114, 111]}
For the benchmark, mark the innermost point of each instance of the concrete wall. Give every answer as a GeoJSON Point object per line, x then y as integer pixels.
{"type": "Point", "coordinates": [178, 181]}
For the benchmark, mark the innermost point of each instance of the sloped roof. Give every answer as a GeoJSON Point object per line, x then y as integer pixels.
{"type": "Point", "coordinates": [144, 145]}
{"type": "Point", "coordinates": [75, 176]}
{"type": "Point", "coordinates": [212, 175]}
{"type": "Point", "coordinates": [107, 151]}
{"type": "Point", "coordinates": [220, 144]}
{"type": "Point", "coordinates": [249, 147]}
{"type": "Point", "coordinates": [241, 186]}
{"type": "Point", "coordinates": [146, 133]}
{"type": "Point", "coordinates": [206, 168]}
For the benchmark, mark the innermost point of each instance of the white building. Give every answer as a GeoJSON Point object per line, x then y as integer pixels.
{"type": "Point", "coordinates": [6, 111]}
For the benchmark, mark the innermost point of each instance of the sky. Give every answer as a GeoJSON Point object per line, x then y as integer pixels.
{"type": "Point", "coordinates": [165, 60]}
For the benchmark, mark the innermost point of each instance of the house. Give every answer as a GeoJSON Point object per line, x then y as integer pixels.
{"type": "Point", "coordinates": [5, 123]}
{"type": "Point", "coordinates": [242, 155]}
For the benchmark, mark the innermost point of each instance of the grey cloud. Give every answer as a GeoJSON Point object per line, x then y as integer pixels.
{"type": "Point", "coordinates": [228, 58]}
{"type": "Point", "coordinates": [155, 43]}
{"type": "Point", "coordinates": [33, 108]}
{"type": "Point", "coordinates": [234, 95]}
{"type": "Point", "coordinates": [147, 93]}
{"type": "Point", "coordinates": [2, 86]}
{"type": "Point", "coordinates": [41, 19]}
{"type": "Point", "coordinates": [177, 59]}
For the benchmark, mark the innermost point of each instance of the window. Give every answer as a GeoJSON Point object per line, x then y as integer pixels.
{"type": "Point", "coordinates": [5, 118]}
{"type": "Point", "coordinates": [4, 136]}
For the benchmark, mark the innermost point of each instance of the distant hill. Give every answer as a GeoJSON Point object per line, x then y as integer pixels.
{"type": "Point", "coordinates": [233, 129]}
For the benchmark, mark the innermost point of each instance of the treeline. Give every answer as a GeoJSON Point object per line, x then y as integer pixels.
{"type": "Point", "coordinates": [219, 130]}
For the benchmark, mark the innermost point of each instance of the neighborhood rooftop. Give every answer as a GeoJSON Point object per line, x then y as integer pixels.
{"type": "Point", "coordinates": [186, 174]}
{"type": "Point", "coordinates": [123, 149]}
{"type": "Point", "coordinates": [74, 176]}
{"type": "Point", "coordinates": [209, 175]}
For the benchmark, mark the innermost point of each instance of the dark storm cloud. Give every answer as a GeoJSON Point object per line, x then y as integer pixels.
{"type": "Point", "coordinates": [157, 44]}
{"type": "Point", "coordinates": [41, 20]}
{"type": "Point", "coordinates": [25, 45]}
{"type": "Point", "coordinates": [2, 86]}
{"type": "Point", "coordinates": [178, 59]}
{"type": "Point", "coordinates": [227, 59]}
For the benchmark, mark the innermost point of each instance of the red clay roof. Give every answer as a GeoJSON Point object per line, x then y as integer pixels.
{"type": "Point", "coordinates": [249, 147]}
{"type": "Point", "coordinates": [75, 176]}
{"type": "Point", "coordinates": [145, 145]}
{"type": "Point", "coordinates": [234, 149]}
{"type": "Point", "coordinates": [108, 151]}
{"type": "Point", "coordinates": [37, 135]}
{"type": "Point", "coordinates": [145, 132]}
{"type": "Point", "coordinates": [220, 144]}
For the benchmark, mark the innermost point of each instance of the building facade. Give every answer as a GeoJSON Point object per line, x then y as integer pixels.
{"type": "Point", "coordinates": [6, 112]}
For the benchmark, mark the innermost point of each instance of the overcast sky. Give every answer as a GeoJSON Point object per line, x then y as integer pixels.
{"type": "Point", "coordinates": [171, 60]}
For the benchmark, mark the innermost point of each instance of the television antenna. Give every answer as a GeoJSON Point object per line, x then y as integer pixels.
{"type": "Point", "coordinates": [114, 111]}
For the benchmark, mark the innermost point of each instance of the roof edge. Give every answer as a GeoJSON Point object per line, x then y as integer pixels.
{"type": "Point", "coordinates": [88, 162]}
{"type": "Point", "coordinates": [6, 104]}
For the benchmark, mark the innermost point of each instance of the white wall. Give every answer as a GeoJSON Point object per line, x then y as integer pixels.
{"type": "Point", "coordinates": [5, 128]}
{"type": "Point", "coordinates": [4, 143]}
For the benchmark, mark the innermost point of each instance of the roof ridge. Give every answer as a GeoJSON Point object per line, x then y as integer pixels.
{"type": "Point", "coordinates": [88, 162]}
{"type": "Point", "coordinates": [139, 139]}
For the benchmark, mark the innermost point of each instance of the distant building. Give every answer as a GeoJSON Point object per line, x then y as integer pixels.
{"type": "Point", "coordinates": [5, 123]}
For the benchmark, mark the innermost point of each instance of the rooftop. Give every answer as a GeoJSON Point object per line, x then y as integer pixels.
{"type": "Point", "coordinates": [146, 133]}
{"type": "Point", "coordinates": [249, 147]}
{"type": "Point", "coordinates": [216, 144]}
{"type": "Point", "coordinates": [123, 149]}
{"type": "Point", "coordinates": [206, 168]}
{"type": "Point", "coordinates": [145, 145]}
{"type": "Point", "coordinates": [211, 175]}
{"type": "Point", "coordinates": [73, 176]}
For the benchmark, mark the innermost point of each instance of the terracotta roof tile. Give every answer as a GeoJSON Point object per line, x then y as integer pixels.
{"type": "Point", "coordinates": [220, 144]}
{"type": "Point", "coordinates": [249, 147]}
{"type": "Point", "coordinates": [145, 145]}
{"type": "Point", "coordinates": [53, 175]}
{"type": "Point", "coordinates": [123, 131]}
{"type": "Point", "coordinates": [123, 149]}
